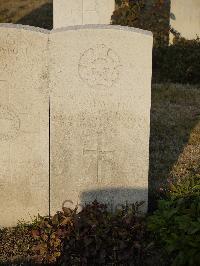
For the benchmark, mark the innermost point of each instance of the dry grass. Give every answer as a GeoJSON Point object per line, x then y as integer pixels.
{"type": "Point", "coordinates": [28, 12]}
{"type": "Point", "coordinates": [175, 120]}
{"type": "Point", "coordinates": [15, 244]}
{"type": "Point", "coordinates": [175, 133]}
{"type": "Point", "coordinates": [175, 115]}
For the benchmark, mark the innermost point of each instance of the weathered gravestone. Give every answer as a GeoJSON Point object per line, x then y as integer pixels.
{"type": "Point", "coordinates": [185, 18]}
{"type": "Point", "coordinates": [23, 124]}
{"type": "Point", "coordinates": [99, 82]}
{"type": "Point", "coordinates": [78, 12]}
{"type": "Point", "coordinates": [100, 79]}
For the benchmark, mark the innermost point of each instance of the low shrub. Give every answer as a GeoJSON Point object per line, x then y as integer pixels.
{"type": "Point", "coordinates": [49, 234]}
{"type": "Point", "coordinates": [178, 63]}
{"type": "Point", "coordinates": [97, 236]}
{"type": "Point", "coordinates": [101, 237]}
{"type": "Point", "coordinates": [92, 236]}
{"type": "Point", "coordinates": [176, 223]}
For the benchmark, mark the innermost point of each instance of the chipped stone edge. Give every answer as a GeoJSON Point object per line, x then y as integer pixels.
{"type": "Point", "coordinates": [77, 27]}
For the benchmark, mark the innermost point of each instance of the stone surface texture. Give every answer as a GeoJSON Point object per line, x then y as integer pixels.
{"type": "Point", "coordinates": [185, 17]}
{"type": "Point", "coordinates": [99, 82]}
{"type": "Point", "coordinates": [23, 125]}
{"type": "Point", "coordinates": [100, 79]}
{"type": "Point", "coordinates": [80, 12]}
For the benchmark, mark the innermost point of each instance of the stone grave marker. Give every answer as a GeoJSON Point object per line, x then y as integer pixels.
{"type": "Point", "coordinates": [100, 79]}
{"type": "Point", "coordinates": [79, 12]}
{"type": "Point", "coordinates": [185, 18]}
{"type": "Point", "coordinates": [23, 124]}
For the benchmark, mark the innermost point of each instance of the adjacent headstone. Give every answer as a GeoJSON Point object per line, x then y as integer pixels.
{"type": "Point", "coordinates": [100, 79]}
{"type": "Point", "coordinates": [99, 82]}
{"type": "Point", "coordinates": [185, 18]}
{"type": "Point", "coordinates": [23, 124]}
{"type": "Point", "coordinates": [79, 12]}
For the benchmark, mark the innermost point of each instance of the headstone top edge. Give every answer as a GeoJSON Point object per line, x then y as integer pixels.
{"type": "Point", "coordinates": [103, 26]}
{"type": "Point", "coordinates": [23, 27]}
{"type": "Point", "coordinates": [76, 27]}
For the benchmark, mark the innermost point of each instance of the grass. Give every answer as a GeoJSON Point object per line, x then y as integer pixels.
{"type": "Point", "coordinates": [38, 13]}
{"type": "Point", "coordinates": [175, 115]}
{"type": "Point", "coordinates": [174, 152]}
{"type": "Point", "coordinates": [15, 244]}
{"type": "Point", "coordinates": [175, 119]}
{"type": "Point", "coordinates": [175, 133]}
{"type": "Point", "coordinates": [175, 129]}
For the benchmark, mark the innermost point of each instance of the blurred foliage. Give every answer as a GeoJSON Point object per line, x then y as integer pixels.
{"type": "Point", "coordinates": [178, 63]}
{"type": "Point", "coordinates": [140, 14]}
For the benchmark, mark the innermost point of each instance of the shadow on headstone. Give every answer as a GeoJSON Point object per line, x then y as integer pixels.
{"type": "Point", "coordinates": [115, 197]}
{"type": "Point", "coordinates": [41, 17]}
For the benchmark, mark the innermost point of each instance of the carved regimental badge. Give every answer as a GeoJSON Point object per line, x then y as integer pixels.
{"type": "Point", "coordinates": [99, 66]}
{"type": "Point", "coordinates": [9, 123]}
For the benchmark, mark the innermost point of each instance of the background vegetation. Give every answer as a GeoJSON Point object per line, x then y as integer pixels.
{"type": "Point", "coordinates": [173, 64]}
{"type": "Point", "coordinates": [179, 62]}
{"type": "Point", "coordinates": [95, 236]}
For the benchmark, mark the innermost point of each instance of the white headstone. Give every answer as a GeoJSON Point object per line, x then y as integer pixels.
{"type": "Point", "coordinates": [23, 124]}
{"type": "Point", "coordinates": [99, 82]}
{"type": "Point", "coordinates": [101, 95]}
{"type": "Point", "coordinates": [79, 12]}
{"type": "Point", "coordinates": [185, 18]}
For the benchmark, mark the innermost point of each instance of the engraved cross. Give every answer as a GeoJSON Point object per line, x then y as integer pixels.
{"type": "Point", "coordinates": [100, 155]}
